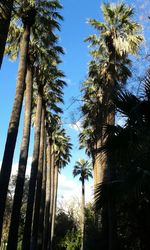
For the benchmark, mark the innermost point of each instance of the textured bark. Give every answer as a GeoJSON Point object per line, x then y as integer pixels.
{"type": "Point", "coordinates": [15, 216]}
{"type": "Point", "coordinates": [48, 197]}
{"type": "Point", "coordinates": [6, 7]}
{"type": "Point", "coordinates": [42, 205]}
{"type": "Point", "coordinates": [52, 197]}
{"type": "Point", "coordinates": [109, 168]}
{"type": "Point", "coordinates": [83, 215]}
{"type": "Point", "coordinates": [33, 177]}
{"type": "Point", "coordinates": [38, 187]}
{"type": "Point", "coordinates": [13, 124]}
{"type": "Point", "coordinates": [54, 202]}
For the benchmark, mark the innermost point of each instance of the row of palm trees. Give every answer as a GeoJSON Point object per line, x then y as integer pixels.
{"type": "Point", "coordinates": [116, 39]}
{"type": "Point", "coordinates": [32, 37]}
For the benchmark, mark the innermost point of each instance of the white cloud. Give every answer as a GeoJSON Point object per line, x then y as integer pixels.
{"type": "Point", "coordinates": [76, 126]}
{"type": "Point", "coordinates": [69, 82]}
{"type": "Point", "coordinates": [69, 190]}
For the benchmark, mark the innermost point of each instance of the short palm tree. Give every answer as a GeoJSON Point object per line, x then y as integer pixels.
{"type": "Point", "coordinates": [83, 169]}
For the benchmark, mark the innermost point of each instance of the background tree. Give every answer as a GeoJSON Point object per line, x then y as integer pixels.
{"type": "Point", "coordinates": [82, 168]}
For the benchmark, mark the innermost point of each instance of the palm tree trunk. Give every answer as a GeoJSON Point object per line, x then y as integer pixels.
{"type": "Point", "coordinates": [83, 215]}
{"type": "Point", "coordinates": [52, 196]}
{"type": "Point", "coordinates": [42, 205]}
{"type": "Point", "coordinates": [99, 173]}
{"type": "Point", "coordinates": [33, 176]}
{"type": "Point", "coordinates": [15, 216]}
{"type": "Point", "coordinates": [38, 187]}
{"type": "Point", "coordinates": [54, 202]}
{"type": "Point", "coordinates": [6, 7]}
{"type": "Point", "coordinates": [13, 124]}
{"type": "Point", "coordinates": [48, 196]}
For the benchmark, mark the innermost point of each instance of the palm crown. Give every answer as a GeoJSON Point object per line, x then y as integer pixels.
{"type": "Point", "coordinates": [82, 168]}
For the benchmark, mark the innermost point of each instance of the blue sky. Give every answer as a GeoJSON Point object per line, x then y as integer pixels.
{"type": "Point", "coordinates": [74, 30]}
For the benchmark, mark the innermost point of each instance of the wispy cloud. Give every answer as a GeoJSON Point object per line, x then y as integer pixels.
{"type": "Point", "coordinates": [70, 190]}
{"type": "Point", "coordinates": [69, 82]}
{"type": "Point", "coordinates": [76, 126]}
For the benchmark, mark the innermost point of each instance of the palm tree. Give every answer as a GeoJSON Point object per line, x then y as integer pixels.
{"type": "Point", "coordinates": [62, 147]}
{"type": "Point", "coordinates": [48, 195]}
{"type": "Point", "coordinates": [129, 147]}
{"type": "Point", "coordinates": [82, 168]}
{"type": "Point", "coordinates": [50, 98]}
{"type": "Point", "coordinates": [21, 174]}
{"type": "Point", "coordinates": [28, 20]}
{"type": "Point", "coordinates": [14, 224]}
{"type": "Point", "coordinates": [117, 37]}
{"type": "Point", "coordinates": [51, 107]}
{"type": "Point", "coordinates": [32, 182]}
{"type": "Point", "coordinates": [36, 53]}
{"type": "Point", "coordinates": [27, 12]}
{"type": "Point", "coordinates": [38, 185]}
{"type": "Point", "coordinates": [6, 7]}
{"type": "Point", "coordinates": [51, 121]}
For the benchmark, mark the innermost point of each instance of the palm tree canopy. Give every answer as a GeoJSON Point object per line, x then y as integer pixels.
{"type": "Point", "coordinates": [118, 30]}
{"type": "Point", "coordinates": [83, 169]}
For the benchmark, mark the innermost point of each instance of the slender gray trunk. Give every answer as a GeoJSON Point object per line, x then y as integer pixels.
{"type": "Point", "coordinates": [42, 205]}
{"type": "Point", "coordinates": [83, 215]}
{"type": "Point", "coordinates": [15, 216]}
{"type": "Point", "coordinates": [33, 177]}
{"type": "Point", "coordinates": [38, 187]}
{"type": "Point", "coordinates": [48, 197]}
{"type": "Point", "coordinates": [54, 202]}
{"type": "Point", "coordinates": [52, 196]}
{"type": "Point", "coordinates": [13, 124]}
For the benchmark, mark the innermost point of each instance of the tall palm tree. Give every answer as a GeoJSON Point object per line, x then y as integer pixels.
{"type": "Point", "coordinates": [129, 146]}
{"type": "Point", "coordinates": [50, 98]}
{"type": "Point", "coordinates": [32, 182]}
{"type": "Point", "coordinates": [6, 7]}
{"type": "Point", "coordinates": [14, 224]}
{"type": "Point", "coordinates": [116, 37]}
{"type": "Point", "coordinates": [62, 147]}
{"type": "Point", "coordinates": [51, 121]}
{"type": "Point", "coordinates": [26, 10]}
{"type": "Point", "coordinates": [36, 54]}
{"type": "Point", "coordinates": [28, 17]}
{"type": "Point", "coordinates": [51, 107]}
{"type": "Point", "coordinates": [48, 195]}
{"type": "Point", "coordinates": [82, 168]}
{"type": "Point", "coordinates": [34, 237]}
